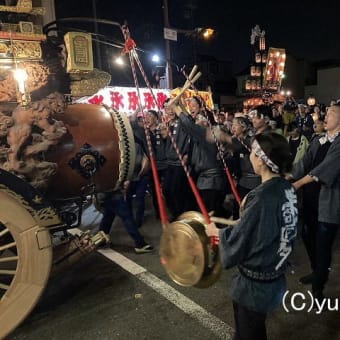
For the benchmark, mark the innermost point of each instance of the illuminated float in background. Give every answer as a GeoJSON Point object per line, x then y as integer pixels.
{"type": "Point", "coordinates": [264, 82]}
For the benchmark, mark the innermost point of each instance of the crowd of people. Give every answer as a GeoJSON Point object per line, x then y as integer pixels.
{"type": "Point", "coordinates": [283, 159]}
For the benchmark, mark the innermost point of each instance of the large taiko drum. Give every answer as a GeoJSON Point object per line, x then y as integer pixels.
{"type": "Point", "coordinates": [97, 151]}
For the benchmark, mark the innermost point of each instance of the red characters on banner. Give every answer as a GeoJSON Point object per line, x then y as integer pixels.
{"type": "Point", "coordinates": [117, 100]}
{"type": "Point", "coordinates": [161, 97]}
{"type": "Point", "coordinates": [133, 100]}
{"type": "Point", "coordinates": [148, 100]}
{"type": "Point", "coordinates": [126, 99]}
{"type": "Point", "coordinates": [96, 100]}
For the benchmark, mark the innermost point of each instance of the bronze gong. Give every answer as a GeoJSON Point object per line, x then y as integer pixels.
{"type": "Point", "coordinates": [186, 252]}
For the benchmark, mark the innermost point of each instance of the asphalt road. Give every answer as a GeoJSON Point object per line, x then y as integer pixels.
{"type": "Point", "coordinates": [123, 295]}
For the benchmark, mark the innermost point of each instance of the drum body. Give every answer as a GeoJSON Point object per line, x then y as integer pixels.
{"type": "Point", "coordinates": [98, 150]}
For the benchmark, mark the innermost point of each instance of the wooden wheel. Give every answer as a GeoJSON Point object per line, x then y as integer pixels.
{"type": "Point", "coordinates": [25, 261]}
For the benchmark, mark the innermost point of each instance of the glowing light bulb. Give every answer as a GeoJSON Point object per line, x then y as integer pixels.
{"type": "Point", "coordinates": [119, 60]}
{"type": "Point", "coordinates": [20, 76]}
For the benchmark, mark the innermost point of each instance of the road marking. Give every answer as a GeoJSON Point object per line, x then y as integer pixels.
{"type": "Point", "coordinates": [209, 321]}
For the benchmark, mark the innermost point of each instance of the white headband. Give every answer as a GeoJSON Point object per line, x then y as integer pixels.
{"type": "Point", "coordinates": [253, 113]}
{"type": "Point", "coordinates": [260, 153]}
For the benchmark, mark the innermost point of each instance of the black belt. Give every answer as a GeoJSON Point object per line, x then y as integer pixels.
{"type": "Point", "coordinates": [260, 276]}
{"type": "Point", "coordinates": [211, 172]}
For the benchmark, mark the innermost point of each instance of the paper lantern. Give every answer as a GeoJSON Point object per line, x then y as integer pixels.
{"type": "Point", "coordinates": [311, 101]}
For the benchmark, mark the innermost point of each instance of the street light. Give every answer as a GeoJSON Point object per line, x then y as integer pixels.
{"type": "Point", "coordinates": [171, 34]}
{"type": "Point", "coordinates": [158, 81]}
{"type": "Point", "coordinates": [155, 58]}
{"type": "Point", "coordinates": [207, 33]}
{"type": "Point", "coordinates": [119, 61]}
{"type": "Point", "coordinates": [160, 63]}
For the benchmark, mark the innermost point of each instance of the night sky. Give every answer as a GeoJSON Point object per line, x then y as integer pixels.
{"type": "Point", "coordinates": [305, 28]}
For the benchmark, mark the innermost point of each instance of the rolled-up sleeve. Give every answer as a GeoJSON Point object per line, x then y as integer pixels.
{"type": "Point", "coordinates": [301, 168]}
{"type": "Point", "coordinates": [328, 171]}
{"type": "Point", "coordinates": [196, 131]}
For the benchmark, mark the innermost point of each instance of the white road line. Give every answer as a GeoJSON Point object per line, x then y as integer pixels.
{"type": "Point", "coordinates": [209, 321]}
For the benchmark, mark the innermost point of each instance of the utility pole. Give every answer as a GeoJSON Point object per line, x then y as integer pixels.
{"type": "Point", "coordinates": [50, 12]}
{"type": "Point", "coordinates": [97, 47]}
{"type": "Point", "coordinates": [168, 70]}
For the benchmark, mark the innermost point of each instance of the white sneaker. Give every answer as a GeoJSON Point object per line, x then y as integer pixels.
{"type": "Point", "coordinates": [145, 249]}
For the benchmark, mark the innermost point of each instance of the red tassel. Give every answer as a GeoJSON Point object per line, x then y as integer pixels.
{"type": "Point", "coordinates": [129, 45]}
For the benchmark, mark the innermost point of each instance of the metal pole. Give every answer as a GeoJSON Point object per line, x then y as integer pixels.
{"type": "Point", "coordinates": [168, 70]}
{"type": "Point", "coordinates": [97, 47]}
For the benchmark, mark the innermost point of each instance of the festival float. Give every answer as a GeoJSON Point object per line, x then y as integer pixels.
{"type": "Point", "coordinates": [263, 84]}
{"type": "Point", "coordinates": [51, 156]}
{"type": "Point", "coordinates": [53, 103]}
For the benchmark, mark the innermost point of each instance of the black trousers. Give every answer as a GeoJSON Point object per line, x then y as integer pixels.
{"type": "Point", "coordinates": [213, 200]}
{"type": "Point", "coordinates": [177, 192]}
{"type": "Point", "coordinates": [309, 234]}
{"type": "Point", "coordinates": [249, 325]}
{"type": "Point", "coordinates": [161, 176]}
{"type": "Point", "coordinates": [325, 238]}
{"type": "Point", "coordinates": [310, 216]}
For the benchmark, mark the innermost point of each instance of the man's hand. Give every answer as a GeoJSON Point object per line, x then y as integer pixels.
{"type": "Point", "coordinates": [303, 181]}
{"type": "Point", "coordinates": [288, 177]}
{"type": "Point", "coordinates": [126, 185]}
{"type": "Point", "coordinates": [212, 230]}
{"type": "Point", "coordinates": [296, 185]}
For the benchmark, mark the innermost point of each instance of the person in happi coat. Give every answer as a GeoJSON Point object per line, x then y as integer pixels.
{"type": "Point", "coordinates": [260, 243]}
{"type": "Point", "coordinates": [318, 174]}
